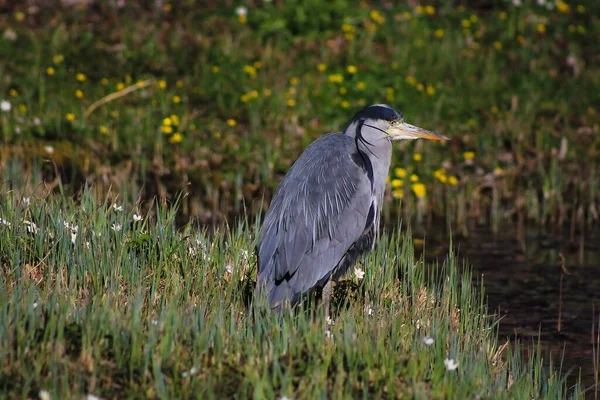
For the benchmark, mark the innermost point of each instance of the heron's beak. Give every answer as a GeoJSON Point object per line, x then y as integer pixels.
{"type": "Point", "coordinates": [403, 130]}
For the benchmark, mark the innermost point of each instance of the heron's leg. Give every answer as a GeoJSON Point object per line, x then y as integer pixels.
{"type": "Point", "coordinates": [327, 291]}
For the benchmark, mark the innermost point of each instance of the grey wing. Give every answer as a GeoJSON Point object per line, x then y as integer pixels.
{"type": "Point", "coordinates": [322, 207]}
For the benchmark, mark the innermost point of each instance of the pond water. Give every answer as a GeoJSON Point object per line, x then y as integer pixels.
{"type": "Point", "coordinates": [522, 280]}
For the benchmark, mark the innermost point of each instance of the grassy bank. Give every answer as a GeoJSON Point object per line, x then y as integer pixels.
{"type": "Point", "coordinates": [100, 298]}
{"type": "Point", "coordinates": [198, 89]}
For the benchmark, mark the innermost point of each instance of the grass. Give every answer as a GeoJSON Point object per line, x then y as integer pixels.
{"type": "Point", "coordinates": [514, 86]}
{"type": "Point", "coordinates": [96, 299]}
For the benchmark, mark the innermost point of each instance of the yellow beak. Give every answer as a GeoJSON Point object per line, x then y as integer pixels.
{"type": "Point", "coordinates": [408, 131]}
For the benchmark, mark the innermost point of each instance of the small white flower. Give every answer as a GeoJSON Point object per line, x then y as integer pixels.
{"type": "Point", "coordinates": [244, 254]}
{"type": "Point", "coordinates": [516, 3]}
{"type": "Point", "coordinates": [11, 35]}
{"type": "Point", "coordinates": [192, 371]}
{"type": "Point", "coordinates": [35, 305]}
{"type": "Point", "coordinates": [117, 207]}
{"type": "Point", "coordinates": [284, 398]}
{"type": "Point", "coordinates": [92, 397]}
{"type": "Point", "coordinates": [4, 222]}
{"type": "Point", "coordinates": [26, 201]}
{"type": "Point", "coordinates": [328, 335]}
{"type": "Point", "coordinates": [370, 311]}
{"type": "Point", "coordinates": [241, 11]}
{"type": "Point", "coordinates": [450, 364]}
{"type": "Point", "coordinates": [37, 121]}
{"type": "Point", "coordinates": [329, 321]}
{"type": "Point", "coordinates": [359, 273]}
{"type": "Point", "coordinates": [154, 322]}
{"type": "Point", "coordinates": [5, 105]}
{"type": "Point", "coordinates": [428, 340]}
{"type": "Point", "coordinates": [116, 227]}
{"type": "Point", "coordinates": [87, 244]}
{"type": "Point", "coordinates": [229, 269]}
{"type": "Point", "coordinates": [31, 226]}
{"type": "Point", "coordinates": [137, 218]}
{"type": "Point", "coordinates": [73, 237]}
{"type": "Point", "coordinates": [49, 149]}
{"type": "Point", "coordinates": [541, 2]}
{"type": "Point", "coordinates": [44, 395]}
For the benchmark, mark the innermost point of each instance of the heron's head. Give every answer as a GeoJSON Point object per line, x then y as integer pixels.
{"type": "Point", "coordinates": [381, 121]}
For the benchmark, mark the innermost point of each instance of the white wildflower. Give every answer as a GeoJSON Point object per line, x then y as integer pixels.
{"type": "Point", "coordinates": [229, 269]}
{"type": "Point", "coordinates": [329, 321]}
{"type": "Point", "coordinates": [73, 237]}
{"type": "Point", "coordinates": [11, 35]}
{"type": "Point", "coordinates": [244, 253]}
{"type": "Point", "coordinates": [359, 273]}
{"type": "Point", "coordinates": [37, 121]}
{"type": "Point", "coordinates": [516, 3]}
{"type": "Point", "coordinates": [31, 226]}
{"type": "Point", "coordinates": [49, 149]}
{"type": "Point", "coordinates": [117, 207]}
{"type": "Point", "coordinates": [241, 11]}
{"type": "Point", "coordinates": [5, 105]}
{"type": "Point", "coordinates": [92, 397]}
{"type": "Point", "coordinates": [192, 371]}
{"type": "Point", "coordinates": [137, 218]}
{"type": "Point", "coordinates": [35, 305]}
{"type": "Point", "coordinates": [328, 335]}
{"type": "Point", "coordinates": [116, 227]}
{"type": "Point", "coordinates": [154, 322]}
{"type": "Point", "coordinates": [44, 395]}
{"type": "Point", "coordinates": [428, 340]}
{"type": "Point", "coordinates": [370, 311]}
{"type": "Point", "coordinates": [4, 222]}
{"type": "Point", "coordinates": [450, 364]}
{"type": "Point", "coordinates": [26, 201]}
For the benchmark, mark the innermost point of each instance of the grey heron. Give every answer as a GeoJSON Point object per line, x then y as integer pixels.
{"type": "Point", "coordinates": [326, 211]}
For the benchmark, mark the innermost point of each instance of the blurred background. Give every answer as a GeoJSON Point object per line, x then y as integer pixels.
{"type": "Point", "coordinates": [145, 100]}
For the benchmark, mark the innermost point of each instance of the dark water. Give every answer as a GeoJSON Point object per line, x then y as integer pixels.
{"type": "Point", "coordinates": [522, 280]}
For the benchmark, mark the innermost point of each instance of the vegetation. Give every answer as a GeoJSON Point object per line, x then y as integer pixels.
{"type": "Point", "coordinates": [96, 299]}
{"type": "Point", "coordinates": [198, 89]}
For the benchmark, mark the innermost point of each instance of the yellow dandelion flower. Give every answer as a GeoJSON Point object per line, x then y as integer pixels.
{"type": "Point", "coordinates": [503, 15]}
{"type": "Point", "coordinates": [343, 91]}
{"type": "Point", "coordinates": [473, 18]}
{"type": "Point", "coordinates": [244, 98]}
{"type": "Point", "coordinates": [400, 172]}
{"type": "Point", "coordinates": [414, 178]}
{"type": "Point", "coordinates": [294, 81]}
{"type": "Point", "coordinates": [377, 17]}
{"type": "Point", "coordinates": [398, 194]}
{"type": "Point", "coordinates": [336, 78]}
{"type": "Point", "coordinates": [494, 109]}
{"type": "Point", "coordinates": [361, 85]}
{"type": "Point", "coordinates": [103, 130]}
{"type": "Point", "coordinates": [50, 71]}
{"type": "Point", "coordinates": [231, 122]}
{"type": "Point", "coordinates": [253, 94]}
{"type": "Point", "coordinates": [429, 10]}
{"type": "Point", "coordinates": [215, 69]}
{"type": "Point", "coordinates": [267, 92]}
{"type": "Point", "coordinates": [430, 90]}
{"type": "Point", "coordinates": [13, 93]}
{"type": "Point", "coordinates": [250, 70]}
{"type": "Point", "coordinates": [466, 23]}
{"type": "Point", "coordinates": [419, 9]}
{"type": "Point", "coordinates": [176, 99]}
{"type": "Point", "coordinates": [166, 129]}
{"type": "Point", "coordinates": [242, 19]}
{"type": "Point", "coordinates": [174, 119]}
{"type": "Point", "coordinates": [79, 94]}
{"type": "Point", "coordinates": [352, 69]}
{"type": "Point", "coordinates": [322, 67]}
{"type": "Point", "coordinates": [439, 33]}
{"type": "Point", "coordinates": [469, 155]}
{"type": "Point", "coordinates": [176, 138]}
{"type": "Point", "coordinates": [179, 83]}
{"type": "Point", "coordinates": [541, 28]}
{"type": "Point", "coordinates": [419, 190]}
{"type": "Point", "coordinates": [22, 108]}
{"type": "Point", "coordinates": [167, 121]}
{"type": "Point", "coordinates": [114, 114]}
{"type": "Point", "coordinates": [397, 183]}
{"type": "Point", "coordinates": [70, 117]}
{"type": "Point", "coordinates": [563, 7]}
{"type": "Point", "coordinates": [58, 58]}
{"type": "Point", "coordinates": [417, 157]}
{"type": "Point", "coordinates": [81, 77]}
{"type": "Point", "coordinates": [580, 29]}
{"type": "Point", "coordinates": [345, 104]}
{"type": "Point", "coordinates": [104, 81]}
{"type": "Point", "coordinates": [291, 103]}
{"type": "Point", "coordinates": [411, 80]}
{"type": "Point", "coordinates": [581, 9]}
{"type": "Point", "coordinates": [407, 16]}
{"type": "Point", "coordinates": [162, 84]}
{"type": "Point", "coordinates": [498, 45]}
{"type": "Point", "coordinates": [498, 171]}
{"type": "Point", "coordinates": [167, 7]}
{"type": "Point", "coordinates": [19, 16]}
{"type": "Point", "coordinates": [452, 180]}
{"type": "Point", "coordinates": [120, 86]}
{"type": "Point", "coordinates": [420, 87]}
{"type": "Point", "coordinates": [257, 64]}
